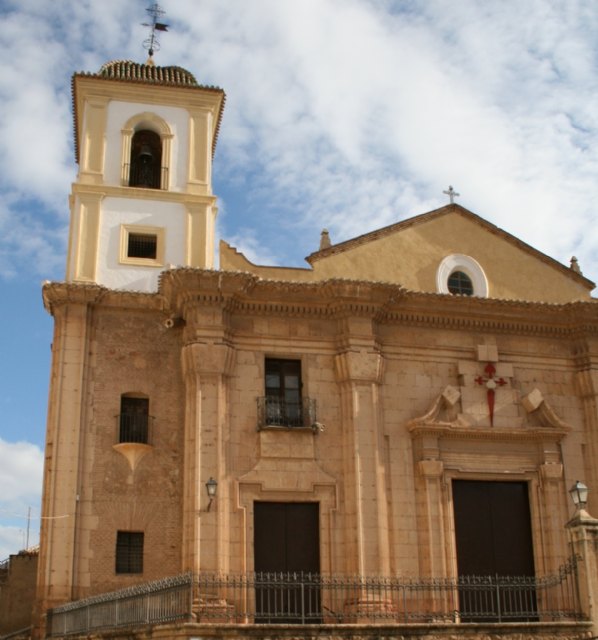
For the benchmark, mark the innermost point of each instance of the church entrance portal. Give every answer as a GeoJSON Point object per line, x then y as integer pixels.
{"type": "Point", "coordinates": [287, 543]}
{"type": "Point", "coordinates": [494, 538]}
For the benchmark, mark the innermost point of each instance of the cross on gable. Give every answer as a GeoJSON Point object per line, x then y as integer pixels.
{"type": "Point", "coordinates": [451, 193]}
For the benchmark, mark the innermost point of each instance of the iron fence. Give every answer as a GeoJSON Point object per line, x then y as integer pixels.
{"type": "Point", "coordinates": [164, 600]}
{"type": "Point", "coordinates": [303, 598]}
{"type": "Point", "coordinates": [297, 598]}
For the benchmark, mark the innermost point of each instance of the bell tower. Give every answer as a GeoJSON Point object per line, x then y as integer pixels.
{"type": "Point", "coordinates": [144, 141]}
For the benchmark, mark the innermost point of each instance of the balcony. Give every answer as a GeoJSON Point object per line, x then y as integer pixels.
{"type": "Point", "coordinates": [273, 411]}
{"type": "Point", "coordinates": [134, 436]}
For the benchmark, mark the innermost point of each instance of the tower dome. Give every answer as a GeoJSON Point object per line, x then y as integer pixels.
{"type": "Point", "coordinates": [134, 71]}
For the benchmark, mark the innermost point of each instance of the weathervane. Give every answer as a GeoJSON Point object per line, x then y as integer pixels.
{"type": "Point", "coordinates": [452, 194]}
{"type": "Point", "coordinates": [152, 44]}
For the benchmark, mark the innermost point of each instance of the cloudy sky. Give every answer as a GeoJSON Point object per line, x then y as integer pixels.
{"type": "Point", "coordinates": [345, 114]}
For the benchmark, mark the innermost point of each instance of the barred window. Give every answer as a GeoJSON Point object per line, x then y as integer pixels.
{"type": "Point", "coordinates": [133, 419]}
{"type": "Point", "coordinates": [142, 245]}
{"type": "Point", "coordinates": [129, 552]}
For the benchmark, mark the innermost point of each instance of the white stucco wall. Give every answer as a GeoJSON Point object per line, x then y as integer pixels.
{"type": "Point", "coordinates": [119, 211]}
{"type": "Point", "coordinates": [178, 121]}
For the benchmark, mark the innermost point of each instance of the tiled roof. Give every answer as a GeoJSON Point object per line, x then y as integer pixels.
{"type": "Point", "coordinates": [128, 70]}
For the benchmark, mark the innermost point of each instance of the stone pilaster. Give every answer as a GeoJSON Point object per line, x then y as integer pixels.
{"type": "Point", "coordinates": [431, 526]}
{"type": "Point", "coordinates": [359, 374]}
{"type": "Point", "coordinates": [587, 385]}
{"type": "Point", "coordinates": [57, 569]}
{"type": "Point", "coordinates": [552, 509]}
{"type": "Point", "coordinates": [206, 367]}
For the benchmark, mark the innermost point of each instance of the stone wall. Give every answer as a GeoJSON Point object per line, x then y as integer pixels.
{"type": "Point", "coordinates": [17, 591]}
{"type": "Point", "coordinates": [514, 631]}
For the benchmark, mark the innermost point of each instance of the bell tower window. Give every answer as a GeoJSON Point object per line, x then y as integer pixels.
{"type": "Point", "coordinates": [146, 160]}
{"type": "Point", "coordinates": [146, 151]}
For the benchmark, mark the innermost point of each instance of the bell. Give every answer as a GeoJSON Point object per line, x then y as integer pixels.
{"type": "Point", "coordinates": [145, 153]}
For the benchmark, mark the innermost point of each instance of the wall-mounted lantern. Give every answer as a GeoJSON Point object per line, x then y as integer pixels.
{"type": "Point", "coordinates": [212, 489]}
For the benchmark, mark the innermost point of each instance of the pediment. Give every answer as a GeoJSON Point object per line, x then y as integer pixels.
{"type": "Point", "coordinates": [420, 253]}
{"type": "Point", "coordinates": [448, 417]}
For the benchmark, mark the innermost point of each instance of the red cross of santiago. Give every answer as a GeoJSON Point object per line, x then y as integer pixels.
{"type": "Point", "coordinates": [490, 382]}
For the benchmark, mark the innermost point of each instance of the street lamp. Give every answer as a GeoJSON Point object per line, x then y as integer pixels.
{"type": "Point", "coordinates": [579, 495]}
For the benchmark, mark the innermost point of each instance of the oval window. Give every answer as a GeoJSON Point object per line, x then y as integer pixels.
{"type": "Point", "coordinates": [460, 283]}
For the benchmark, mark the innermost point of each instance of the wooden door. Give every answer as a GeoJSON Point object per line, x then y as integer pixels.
{"type": "Point", "coordinates": [287, 561]}
{"type": "Point", "coordinates": [494, 539]}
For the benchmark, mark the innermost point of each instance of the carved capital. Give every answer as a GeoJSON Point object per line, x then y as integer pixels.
{"type": "Point", "coordinates": [207, 360]}
{"type": "Point", "coordinates": [551, 471]}
{"type": "Point", "coordinates": [587, 382]}
{"type": "Point", "coordinates": [430, 468]}
{"type": "Point", "coordinates": [359, 366]}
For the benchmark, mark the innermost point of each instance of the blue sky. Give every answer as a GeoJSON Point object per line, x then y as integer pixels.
{"type": "Point", "coordinates": [345, 114]}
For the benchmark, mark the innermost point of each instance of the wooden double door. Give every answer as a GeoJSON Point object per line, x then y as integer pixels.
{"type": "Point", "coordinates": [287, 562]}
{"type": "Point", "coordinates": [494, 542]}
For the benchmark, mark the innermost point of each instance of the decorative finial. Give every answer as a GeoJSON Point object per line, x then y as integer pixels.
{"type": "Point", "coordinates": [452, 194]}
{"type": "Point", "coordinates": [152, 44]}
{"type": "Point", "coordinates": [324, 240]}
{"type": "Point", "coordinates": [575, 265]}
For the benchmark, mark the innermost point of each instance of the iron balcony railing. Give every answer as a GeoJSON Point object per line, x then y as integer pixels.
{"type": "Point", "coordinates": [303, 598]}
{"type": "Point", "coordinates": [148, 178]}
{"type": "Point", "coordinates": [274, 411]}
{"type": "Point", "coordinates": [134, 427]}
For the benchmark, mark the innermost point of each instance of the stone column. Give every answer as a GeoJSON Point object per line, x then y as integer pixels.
{"type": "Point", "coordinates": [205, 368]}
{"type": "Point", "coordinates": [583, 529]}
{"type": "Point", "coordinates": [359, 374]}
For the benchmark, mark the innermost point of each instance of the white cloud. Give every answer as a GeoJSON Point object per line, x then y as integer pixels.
{"type": "Point", "coordinates": [349, 114]}
{"type": "Point", "coordinates": [21, 469]}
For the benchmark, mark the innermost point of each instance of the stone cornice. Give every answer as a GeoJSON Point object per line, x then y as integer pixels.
{"type": "Point", "coordinates": [245, 293]}
{"type": "Point", "coordinates": [456, 431]}
{"type": "Point", "coordinates": [159, 195]}
{"type": "Point", "coordinates": [55, 294]}
{"type": "Point", "coordinates": [387, 303]}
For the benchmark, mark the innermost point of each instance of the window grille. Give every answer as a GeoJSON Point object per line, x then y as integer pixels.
{"type": "Point", "coordinates": [129, 552]}
{"type": "Point", "coordinates": [142, 245]}
{"type": "Point", "coordinates": [133, 420]}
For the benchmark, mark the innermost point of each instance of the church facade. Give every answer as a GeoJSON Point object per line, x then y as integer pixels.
{"type": "Point", "coordinates": [416, 403]}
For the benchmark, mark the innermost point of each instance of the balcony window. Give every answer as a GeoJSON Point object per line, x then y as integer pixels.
{"type": "Point", "coordinates": [134, 419]}
{"type": "Point", "coordinates": [283, 404]}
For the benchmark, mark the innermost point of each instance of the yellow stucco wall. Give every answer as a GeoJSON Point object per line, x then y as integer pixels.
{"type": "Point", "coordinates": [410, 256]}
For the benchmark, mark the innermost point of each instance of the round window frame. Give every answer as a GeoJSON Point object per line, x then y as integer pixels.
{"type": "Point", "coordinates": [466, 264]}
